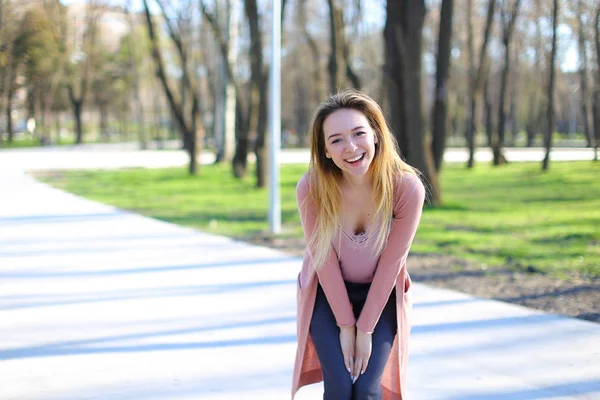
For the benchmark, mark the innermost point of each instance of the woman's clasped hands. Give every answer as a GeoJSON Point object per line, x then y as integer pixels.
{"type": "Point", "coordinates": [356, 349]}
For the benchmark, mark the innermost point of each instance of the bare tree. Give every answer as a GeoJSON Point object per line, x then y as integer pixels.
{"type": "Point", "coordinates": [135, 79]}
{"type": "Point", "coordinates": [550, 109]}
{"type": "Point", "coordinates": [187, 118]}
{"type": "Point", "coordinates": [597, 86]}
{"type": "Point", "coordinates": [82, 60]}
{"type": "Point", "coordinates": [535, 111]}
{"type": "Point", "coordinates": [225, 96]}
{"type": "Point", "coordinates": [403, 50]}
{"type": "Point", "coordinates": [336, 55]}
{"type": "Point", "coordinates": [318, 93]}
{"type": "Point", "coordinates": [242, 107]}
{"type": "Point", "coordinates": [508, 27]}
{"type": "Point", "coordinates": [339, 65]}
{"type": "Point", "coordinates": [259, 92]}
{"type": "Point", "coordinates": [583, 74]}
{"type": "Point", "coordinates": [488, 113]}
{"type": "Point", "coordinates": [440, 109]}
{"type": "Point", "coordinates": [476, 72]}
{"type": "Point", "coordinates": [8, 66]}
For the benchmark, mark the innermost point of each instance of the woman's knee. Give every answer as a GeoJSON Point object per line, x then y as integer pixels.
{"type": "Point", "coordinates": [367, 390]}
{"type": "Point", "coordinates": [339, 388]}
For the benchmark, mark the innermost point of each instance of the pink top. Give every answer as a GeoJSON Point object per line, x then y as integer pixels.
{"type": "Point", "coordinates": [357, 262]}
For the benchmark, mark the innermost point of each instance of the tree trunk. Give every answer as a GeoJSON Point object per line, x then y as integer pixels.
{"type": "Point", "coordinates": [531, 119]}
{"type": "Point", "coordinates": [239, 112]}
{"type": "Point", "coordinates": [498, 142]}
{"type": "Point", "coordinates": [583, 76]}
{"type": "Point", "coordinates": [440, 108]}
{"type": "Point", "coordinates": [58, 127]}
{"type": "Point", "coordinates": [336, 57]}
{"type": "Point", "coordinates": [489, 124]}
{"type": "Point", "coordinates": [103, 122]}
{"type": "Point", "coordinates": [508, 27]}
{"type": "Point", "coordinates": [597, 86]}
{"type": "Point", "coordinates": [10, 94]}
{"type": "Point", "coordinates": [135, 84]}
{"type": "Point", "coordinates": [77, 105]}
{"type": "Point", "coordinates": [316, 57]}
{"type": "Point", "coordinates": [261, 148]}
{"type": "Point", "coordinates": [240, 158]}
{"type": "Point", "coordinates": [187, 120]}
{"type": "Point", "coordinates": [476, 74]}
{"type": "Point", "coordinates": [403, 50]}
{"type": "Point", "coordinates": [550, 109]}
{"type": "Point", "coordinates": [259, 91]}
{"type": "Point", "coordinates": [226, 98]}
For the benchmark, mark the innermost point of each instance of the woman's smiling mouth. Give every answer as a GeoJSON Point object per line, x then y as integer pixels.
{"type": "Point", "coordinates": [355, 159]}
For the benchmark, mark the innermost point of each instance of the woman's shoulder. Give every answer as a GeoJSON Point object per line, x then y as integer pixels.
{"type": "Point", "coordinates": [408, 185]}
{"type": "Point", "coordinates": [303, 186]}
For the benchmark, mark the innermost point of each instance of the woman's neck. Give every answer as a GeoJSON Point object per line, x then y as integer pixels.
{"type": "Point", "coordinates": [358, 183]}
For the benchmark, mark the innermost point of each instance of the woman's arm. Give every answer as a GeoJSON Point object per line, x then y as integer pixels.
{"type": "Point", "coordinates": [407, 213]}
{"type": "Point", "coordinates": [330, 275]}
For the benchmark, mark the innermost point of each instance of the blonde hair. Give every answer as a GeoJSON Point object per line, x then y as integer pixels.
{"type": "Point", "coordinates": [325, 176]}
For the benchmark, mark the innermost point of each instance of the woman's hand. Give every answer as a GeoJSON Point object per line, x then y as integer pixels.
{"type": "Point", "coordinates": [347, 341]}
{"type": "Point", "coordinates": [362, 353]}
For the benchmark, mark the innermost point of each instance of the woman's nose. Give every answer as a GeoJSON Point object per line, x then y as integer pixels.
{"type": "Point", "coordinates": [350, 145]}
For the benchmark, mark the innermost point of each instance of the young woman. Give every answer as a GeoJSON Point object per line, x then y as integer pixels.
{"type": "Point", "coordinates": [360, 206]}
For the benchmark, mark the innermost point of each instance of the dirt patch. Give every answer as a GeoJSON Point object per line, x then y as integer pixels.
{"type": "Point", "coordinates": [573, 296]}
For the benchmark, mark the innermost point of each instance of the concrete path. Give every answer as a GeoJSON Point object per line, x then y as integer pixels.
{"type": "Point", "coordinates": [97, 303]}
{"type": "Point", "coordinates": [125, 155]}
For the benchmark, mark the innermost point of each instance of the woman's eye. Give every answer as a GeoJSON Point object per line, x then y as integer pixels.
{"type": "Point", "coordinates": [360, 133]}
{"type": "Point", "coordinates": [336, 141]}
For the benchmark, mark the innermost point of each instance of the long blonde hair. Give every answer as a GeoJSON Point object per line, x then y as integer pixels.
{"type": "Point", "coordinates": [325, 176]}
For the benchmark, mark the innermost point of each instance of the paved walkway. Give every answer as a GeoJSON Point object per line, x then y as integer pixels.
{"type": "Point", "coordinates": [124, 155]}
{"type": "Point", "coordinates": [97, 303]}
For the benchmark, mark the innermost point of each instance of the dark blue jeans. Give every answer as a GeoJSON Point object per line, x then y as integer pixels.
{"type": "Point", "coordinates": [326, 336]}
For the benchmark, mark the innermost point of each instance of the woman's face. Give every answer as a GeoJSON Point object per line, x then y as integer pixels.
{"type": "Point", "coordinates": [349, 141]}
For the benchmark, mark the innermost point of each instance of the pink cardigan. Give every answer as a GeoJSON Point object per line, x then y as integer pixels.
{"type": "Point", "coordinates": [390, 271]}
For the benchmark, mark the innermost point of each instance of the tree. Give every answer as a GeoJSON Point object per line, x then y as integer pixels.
{"type": "Point", "coordinates": [133, 58]}
{"type": "Point", "coordinates": [40, 55]}
{"type": "Point", "coordinates": [508, 27]}
{"type": "Point", "coordinates": [186, 116]}
{"type": "Point", "coordinates": [583, 74]}
{"type": "Point", "coordinates": [403, 50]}
{"type": "Point", "coordinates": [550, 108]}
{"type": "Point", "coordinates": [339, 66]}
{"type": "Point", "coordinates": [80, 67]}
{"type": "Point", "coordinates": [476, 72]}
{"type": "Point", "coordinates": [242, 107]}
{"type": "Point", "coordinates": [8, 64]}
{"type": "Point", "coordinates": [259, 92]}
{"type": "Point", "coordinates": [597, 86]}
{"type": "Point", "coordinates": [225, 96]}
{"type": "Point", "coordinates": [440, 110]}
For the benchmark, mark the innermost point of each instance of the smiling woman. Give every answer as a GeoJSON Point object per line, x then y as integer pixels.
{"type": "Point", "coordinates": [360, 206]}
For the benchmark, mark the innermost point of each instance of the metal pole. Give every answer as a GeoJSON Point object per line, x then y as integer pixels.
{"type": "Point", "coordinates": [275, 114]}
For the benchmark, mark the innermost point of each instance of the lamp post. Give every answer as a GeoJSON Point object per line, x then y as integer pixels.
{"type": "Point", "coordinates": [275, 116]}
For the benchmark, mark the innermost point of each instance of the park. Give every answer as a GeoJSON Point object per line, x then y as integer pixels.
{"type": "Point", "coordinates": [138, 258]}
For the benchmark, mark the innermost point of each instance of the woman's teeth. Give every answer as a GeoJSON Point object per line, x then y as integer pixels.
{"type": "Point", "coordinates": [355, 158]}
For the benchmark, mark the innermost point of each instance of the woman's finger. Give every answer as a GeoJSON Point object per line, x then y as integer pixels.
{"type": "Point", "coordinates": [356, 368]}
{"type": "Point", "coordinates": [363, 368]}
{"type": "Point", "coordinates": [348, 362]}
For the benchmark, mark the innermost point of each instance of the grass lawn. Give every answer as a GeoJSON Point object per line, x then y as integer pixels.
{"type": "Point", "coordinates": [22, 142]}
{"type": "Point", "coordinates": [514, 216]}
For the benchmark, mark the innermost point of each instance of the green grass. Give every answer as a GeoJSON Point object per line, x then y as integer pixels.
{"type": "Point", "coordinates": [514, 216]}
{"type": "Point", "coordinates": [28, 141]}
